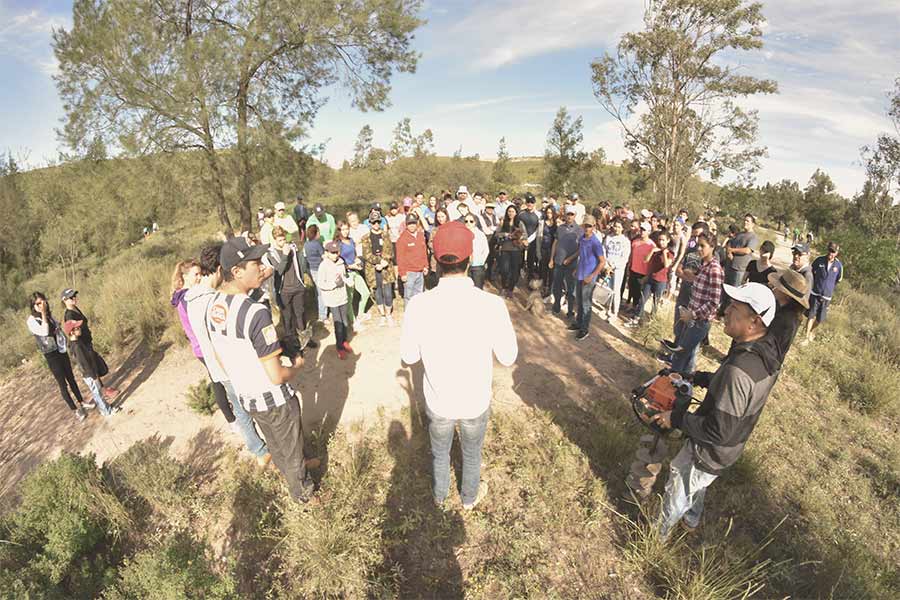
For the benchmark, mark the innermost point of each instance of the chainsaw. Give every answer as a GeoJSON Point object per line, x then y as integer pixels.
{"type": "Point", "coordinates": [665, 391]}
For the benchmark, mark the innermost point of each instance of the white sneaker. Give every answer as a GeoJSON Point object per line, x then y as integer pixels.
{"type": "Point", "coordinates": [235, 428]}
{"type": "Point", "coordinates": [113, 411]}
{"type": "Point", "coordinates": [482, 492]}
{"type": "Point", "coordinates": [384, 321]}
{"type": "Point", "coordinates": [79, 414]}
{"type": "Point", "coordinates": [358, 327]}
{"type": "Point", "coordinates": [89, 404]}
{"type": "Point", "coordinates": [365, 317]}
{"type": "Point", "coordinates": [390, 321]}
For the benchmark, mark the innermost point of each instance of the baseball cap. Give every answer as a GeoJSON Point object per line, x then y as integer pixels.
{"type": "Point", "coordinates": [407, 201]}
{"type": "Point", "coordinates": [529, 198]}
{"type": "Point", "coordinates": [411, 218]}
{"type": "Point", "coordinates": [299, 196]}
{"type": "Point", "coordinates": [69, 293]}
{"type": "Point", "coordinates": [375, 216]}
{"type": "Point", "coordinates": [646, 226]}
{"type": "Point", "coordinates": [589, 220]}
{"type": "Point", "coordinates": [646, 213]}
{"type": "Point", "coordinates": [394, 205]}
{"type": "Point", "coordinates": [570, 210]}
{"type": "Point", "coordinates": [455, 239]}
{"type": "Point", "coordinates": [71, 325]}
{"type": "Point", "coordinates": [573, 196]}
{"type": "Point", "coordinates": [279, 206]}
{"type": "Point", "coordinates": [238, 250]}
{"type": "Point", "coordinates": [319, 209]}
{"type": "Point", "coordinates": [462, 190]}
{"type": "Point", "coordinates": [800, 248]}
{"type": "Point", "coordinates": [332, 246]}
{"type": "Point", "coordinates": [833, 247]}
{"type": "Point", "coordinates": [758, 296]}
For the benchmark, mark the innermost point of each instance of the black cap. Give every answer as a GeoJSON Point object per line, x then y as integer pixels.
{"type": "Point", "coordinates": [299, 197]}
{"type": "Point", "coordinates": [529, 198]}
{"type": "Point", "coordinates": [238, 250]}
{"type": "Point", "coordinates": [319, 208]}
{"type": "Point", "coordinates": [69, 293]}
{"type": "Point", "coordinates": [800, 248]}
{"type": "Point", "coordinates": [573, 196]}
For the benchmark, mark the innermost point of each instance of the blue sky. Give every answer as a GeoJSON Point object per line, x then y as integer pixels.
{"type": "Point", "coordinates": [503, 68]}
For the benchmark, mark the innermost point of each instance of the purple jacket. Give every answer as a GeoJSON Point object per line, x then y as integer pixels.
{"type": "Point", "coordinates": [179, 303]}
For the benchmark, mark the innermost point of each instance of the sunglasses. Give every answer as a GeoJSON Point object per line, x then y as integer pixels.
{"type": "Point", "coordinates": [588, 225]}
{"type": "Point", "coordinates": [470, 221]}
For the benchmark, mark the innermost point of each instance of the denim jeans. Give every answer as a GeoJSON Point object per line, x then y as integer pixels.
{"type": "Point", "coordinates": [510, 268]}
{"type": "Point", "coordinates": [618, 283]}
{"type": "Point", "coordinates": [471, 439]}
{"type": "Point", "coordinates": [254, 443]}
{"type": "Point", "coordinates": [685, 491]}
{"type": "Point", "coordinates": [564, 274]}
{"type": "Point", "coordinates": [685, 360]}
{"type": "Point", "coordinates": [476, 274]}
{"type": "Point", "coordinates": [96, 392]}
{"type": "Point", "coordinates": [414, 284]}
{"type": "Point", "coordinates": [323, 310]}
{"type": "Point", "coordinates": [585, 296]}
{"type": "Point", "coordinates": [654, 288]}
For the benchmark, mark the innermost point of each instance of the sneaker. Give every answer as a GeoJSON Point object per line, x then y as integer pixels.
{"type": "Point", "coordinates": [109, 393]}
{"type": "Point", "coordinates": [664, 358]}
{"type": "Point", "coordinates": [306, 493]}
{"type": "Point", "coordinates": [264, 460]}
{"type": "Point", "coordinates": [365, 317]}
{"type": "Point", "coordinates": [390, 321]}
{"type": "Point", "coordinates": [342, 354]}
{"type": "Point", "coordinates": [688, 528]}
{"type": "Point", "coordinates": [89, 404]}
{"type": "Point", "coordinates": [632, 323]}
{"type": "Point", "coordinates": [482, 492]}
{"type": "Point", "coordinates": [573, 327]}
{"type": "Point", "coordinates": [670, 346]}
{"type": "Point", "coordinates": [581, 335]}
{"type": "Point", "coordinates": [113, 411]}
{"type": "Point", "coordinates": [384, 321]}
{"type": "Point", "coordinates": [234, 427]}
{"type": "Point", "coordinates": [347, 348]}
{"type": "Point", "coordinates": [312, 344]}
{"type": "Point", "coordinates": [79, 414]}
{"type": "Point", "coordinates": [358, 327]}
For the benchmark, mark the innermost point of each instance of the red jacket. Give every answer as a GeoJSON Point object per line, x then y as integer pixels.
{"type": "Point", "coordinates": [412, 253]}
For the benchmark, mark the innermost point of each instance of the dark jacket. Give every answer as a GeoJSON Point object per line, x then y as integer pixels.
{"type": "Point", "coordinates": [737, 393]}
{"type": "Point", "coordinates": [89, 362]}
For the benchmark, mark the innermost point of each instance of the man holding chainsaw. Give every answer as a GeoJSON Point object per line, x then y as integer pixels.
{"type": "Point", "coordinates": [737, 392]}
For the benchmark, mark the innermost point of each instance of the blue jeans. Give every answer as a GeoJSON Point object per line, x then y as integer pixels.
{"type": "Point", "coordinates": [564, 274]}
{"type": "Point", "coordinates": [685, 491]}
{"type": "Point", "coordinates": [585, 295]}
{"type": "Point", "coordinates": [656, 288]}
{"type": "Point", "coordinates": [414, 284]}
{"type": "Point", "coordinates": [471, 439]}
{"type": "Point", "coordinates": [254, 443]}
{"type": "Point", "coordinates": [323, 310]}
{"type": "Point", "coordinates": [94, 386]}
{"type": "Point", "coordinates": [689, 338]}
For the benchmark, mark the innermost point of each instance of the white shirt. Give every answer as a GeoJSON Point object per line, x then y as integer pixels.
{"type": "Point", "coordinates": [458, 360]}
{"type": "Point", "coordinates": [197, 300]}
{"type": "Point", "coordinates": [579, 212]}
{"type": "Point", "coordinates": [480, 248]}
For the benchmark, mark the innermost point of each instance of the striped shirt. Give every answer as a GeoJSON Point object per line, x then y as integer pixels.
{"type": "Point", "coordinates": [242, 336]}
{"type": "Point", "coordinates": [706, 290]}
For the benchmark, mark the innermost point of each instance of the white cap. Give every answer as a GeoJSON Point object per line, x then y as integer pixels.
{"type": "Point", "coordinates": [758, 296]}
{"type": "Point", "coordinates": [279, 206]}
{"type": "Point", "coordinates": [646, 226]}
{"type": "Point", "coordinates": [646, 213]}
{"type": "Point", "coordinates": [462, 190]}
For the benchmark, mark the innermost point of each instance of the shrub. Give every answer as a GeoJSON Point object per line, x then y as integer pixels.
{"type": "Point", "coordinates": [201, 399]}
{"type": "Point", "coordinates": [178, 568]}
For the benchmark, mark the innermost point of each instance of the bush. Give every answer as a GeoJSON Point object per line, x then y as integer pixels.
{"type": "Point", "coordinates": [178, 568]}
{"type": "Point", "coordinates": [201, 398]}
{"type": "Point", "coordinates": [870, 263]}
{"type": "Point", "coordinates": [60, 540]}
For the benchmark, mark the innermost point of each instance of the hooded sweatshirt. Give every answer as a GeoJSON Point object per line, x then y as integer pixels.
{"type": "Point", "coordinates": [178, 301]}
{"type": "Point", "coordinates": [737, 393]}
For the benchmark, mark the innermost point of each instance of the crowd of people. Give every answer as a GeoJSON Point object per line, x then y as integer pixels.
{"type": "Point", "coordinates": [243, 306]}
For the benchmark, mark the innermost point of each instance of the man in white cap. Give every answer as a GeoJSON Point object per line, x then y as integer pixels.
{"type": "Point", "coordinates": [462, 197]}
{"type": "Point", "coordinates": [286, 222]}
{"type": "Point", "coordinates": [736, 394]}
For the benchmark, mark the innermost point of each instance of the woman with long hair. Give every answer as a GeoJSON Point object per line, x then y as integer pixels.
{"type": "Point", "coordinates": [441, 216]}
{"type": "Point", "coordinates": [52, 342]}
{"type": "Point", "coordinates": [355, 271]}
{"type": "Point", "coordinates": [74, 313]}
{"type": "Point", "coordinates": [546, 235]}
{"type": "Point", "coordinates": [512, 238]}
{"type": "Point", "coordinates": [186, 276]}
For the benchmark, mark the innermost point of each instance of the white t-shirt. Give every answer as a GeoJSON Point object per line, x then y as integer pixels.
{"type": "Point", "coordinates": [197, 300]}
{"type": "Point", "coordinates": [396, 225]}
{"type": "Point", "coordinates": [458, 360]}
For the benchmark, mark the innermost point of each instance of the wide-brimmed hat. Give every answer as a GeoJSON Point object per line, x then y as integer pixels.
{"type": "Point", "coordinates": [791, 283]}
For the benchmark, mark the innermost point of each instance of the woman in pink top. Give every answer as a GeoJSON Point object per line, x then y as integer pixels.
{"type": "Point", "coordinates": [186, 275]}
{"type": "Point", "coordinates": [640, 248]}
{"type": "Point", "coordinates": [657, 263]}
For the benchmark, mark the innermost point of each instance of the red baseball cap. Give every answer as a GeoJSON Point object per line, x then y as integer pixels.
{"type": "Point", "coordinates": [453, 239]}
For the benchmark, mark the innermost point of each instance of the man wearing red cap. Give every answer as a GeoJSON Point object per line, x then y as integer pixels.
{"type": "Point", "coordinates": [447, 350]}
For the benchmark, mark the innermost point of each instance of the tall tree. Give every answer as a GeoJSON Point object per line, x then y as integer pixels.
{"type": "Point", "coordinates": [406, 144]}
{"type": "Point", "coordinates": [674, 103]}
{"type": "Point", "coordinates": [501, 173]}
{"type": "Point", "coordinates": [564, 157]}
{"type": "Point", "coordinates": [823, 206]}
{"type": "Point", "coordinates": [875, 206]}
{"type": "Point", "coordinates": [783, 201]}
{"type": "Point", "coordinates": [363, 147]}
{"type": "Point", "coordinates": [213, 75]}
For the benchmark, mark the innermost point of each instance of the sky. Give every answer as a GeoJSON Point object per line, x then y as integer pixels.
{"type": "Point", "coordinates": [502, 68]}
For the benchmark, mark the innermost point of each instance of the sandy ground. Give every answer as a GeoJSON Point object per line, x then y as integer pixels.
{"type": "Point", "coordinates": [553, 372]}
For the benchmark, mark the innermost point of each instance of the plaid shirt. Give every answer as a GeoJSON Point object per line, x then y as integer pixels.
{"type": "Point", "coordinates": [707, 290]}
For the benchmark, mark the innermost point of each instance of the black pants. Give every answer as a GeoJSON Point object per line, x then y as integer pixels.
{"type": "Point", "coordinates": [546, 272]}
{"type": "Point", "coordinates": [491, 262]}
{"type": "Point", "coordinates": [531, 260]}
{"type": "Point", "coordinates": [341, 323]}
{"type": "Point", "coordinates": [510, 268]}
{"type": "Point", "coordinates": [221, 396]}
{"type": "Point", "coordinates": [292, 315]}
{"type": "Point", "coordinates": [61, 367]}
{"type": "Point", "coordinates": [635, 288]}
{"type": "Point", "coordinates": [283, 430]}
{"type": "Point", "coordinates": [477, 275]}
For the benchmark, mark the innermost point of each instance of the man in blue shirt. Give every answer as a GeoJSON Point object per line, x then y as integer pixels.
{"type": "Point", "coordinates": [563, 255]}
{"type": "Point", "coordinates": [827, 271]}
{"type": "Point", "coordinates": [591, 261]}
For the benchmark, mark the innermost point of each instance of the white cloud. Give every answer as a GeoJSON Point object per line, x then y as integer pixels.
{"type": "Point", "coordinates": [27, 36]}
{"type": "Point", "coordinates": [506, 32]}
{"type": "Point", "coordinates": [464, 106]}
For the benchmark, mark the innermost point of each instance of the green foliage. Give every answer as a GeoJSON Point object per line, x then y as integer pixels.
{"type": "Point", "coordinates": [501, 176]}
{"type": "Point", "coordinates": [824, 208]}
{"type": "Point", "coordinates": [566, 161]}
{"type": "Point", "coordinates": [201, 399]}
{"type": "Point", "coordinates": [59, 541]}
{"type": "Point", "coordinates": [179, 567]}
{"type": "Point", "coordinates": [871, 263]}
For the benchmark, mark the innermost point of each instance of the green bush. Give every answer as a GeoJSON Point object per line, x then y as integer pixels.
{"type": "Point", "coordinates": [178, 568]}
{"type": "Point", "coordinates": [62, 537]}
{"type": "Point", "coordinates": [870, 263]}
{"type": "Point", "coordinates": [201, 399]}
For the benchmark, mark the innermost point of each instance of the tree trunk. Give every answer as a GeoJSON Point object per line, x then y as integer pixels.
{"type": "Point", "coordinates": [218, 191]}
{"type": "Point", "coordinates": [244, 174]}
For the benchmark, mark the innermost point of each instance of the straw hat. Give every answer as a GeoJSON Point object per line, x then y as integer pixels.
{"type": "Point", "coordinates": [791, 283]}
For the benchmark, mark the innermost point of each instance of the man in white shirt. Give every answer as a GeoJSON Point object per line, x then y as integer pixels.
{"type": "Point", "coordinates": [579, 208]}
{"type": "Point", "coordinates": [447, 350]}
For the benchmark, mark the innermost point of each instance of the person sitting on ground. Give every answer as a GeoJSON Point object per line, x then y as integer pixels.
{"type": "Point", "coordinates": [323, 221]}
{"type": "Point", "coordinates": [446, 351]}
{"type": "Point", "coordinates": [91, 365]}
{"type": "Point", "coordinates": [245, 341]}
{"type": "Point", "coordinates": [717, 433]}
{"type": "Point", "coordinates": [53, 344]}
{"type": "Point", "coordinates": [197, 300]}
{"type": "Point", "coordinates": [412, 258]}
{"type": "Point", "coordinates": [758, 270]}
{"type": "Point", "coordinates": [333, 280]}
{"type": "Point", "coordinates": [827, 272]}
{"type": "Point", "coordinates": [378, 255]}
{"type": "Point", "coordinates": [73, 313]}
{"type": "Point", "coordinates": [286, 222]}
